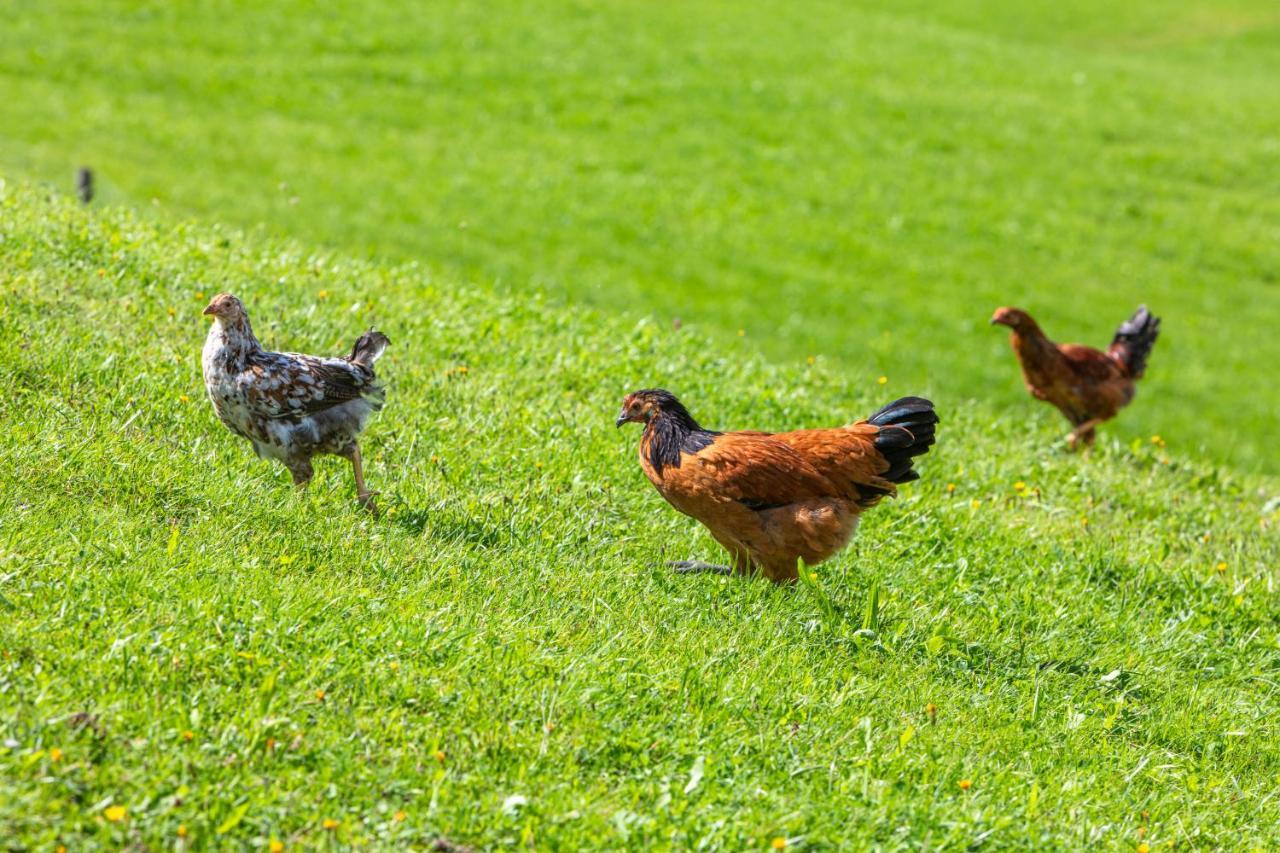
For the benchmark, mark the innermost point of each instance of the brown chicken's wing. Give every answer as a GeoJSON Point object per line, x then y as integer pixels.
{"type": "Point", "coordinates": [756, 470]}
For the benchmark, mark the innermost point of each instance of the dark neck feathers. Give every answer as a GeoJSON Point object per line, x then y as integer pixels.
{"type": "Point", "coordinates": [672, 431]}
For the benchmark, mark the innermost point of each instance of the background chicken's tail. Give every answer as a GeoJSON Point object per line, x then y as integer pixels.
{"type": "Point", "coordinates": [1134, 340]}
{"type": "Point", "coordinates": [906, 431]}
{"type": "Point", "coordinates": [368, 348]}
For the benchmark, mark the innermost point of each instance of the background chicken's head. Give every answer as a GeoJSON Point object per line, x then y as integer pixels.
{"type": "Point", "coordinates": [1014, 318]}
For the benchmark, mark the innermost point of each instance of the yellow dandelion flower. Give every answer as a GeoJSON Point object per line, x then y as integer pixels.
{"type": "Point", "coordinates": [399, 816]}
{"type": "Point", "coordinates": [320, 695]}
{"type": "Point", "coordinates": [115, 814]}
{"type": "Point", "coordinates": [184, 399]}
{"type": "Point", "coordinates": [883, 380]}
{"type": "Point", "coordinates": [276, 846]}
{"type": "Point", "coordinates": [1019, 486]}
{"type": "Point", "coordinates": [61, 848]}
{"type": "Point", "coordinates": [199, 294]}
{"type": "Point", "coordinates": [55, 754]}
{"type": "Point", "coordinates": [951, 487]}
{"type": "Point", "coordinates": [1144, 847]}
{"type": "Point", "coordinates": [1084, 520]}
{"type": "Point", "coordinates": [440, 755]}
{"type": "Point", "coordinates": [1222, 567]}
{"type": "Point", "coordinates": [975, 503]}
{"type": "Point", "coordinates": [742, 332]}
{"type": "Point", "coordinates": [395, 665]}
{"type": "Point", "coordinates": [324, 294]}
{"type": "Point", "coordinates": [931, 710]}
{"type": "Point", "coordinates": [188, 735]}
{"type": "Point", "coordinates": [331, 824]}
{"type": "Point", "coordinates": [172, 312]}
{"type": "Point", "coordinates": [182, 830]}
{"type": "Point", "coordinates": [965, 784]}
{"type": "Point", "coordinates": [779, 843]}
{"type": "Point", "coordinates": [812, 360]}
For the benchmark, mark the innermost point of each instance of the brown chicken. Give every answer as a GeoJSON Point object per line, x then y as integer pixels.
{"type": "Point", "coordinates": [770, 499]}
{"type": "Point", "coordinates": [1088, 386]}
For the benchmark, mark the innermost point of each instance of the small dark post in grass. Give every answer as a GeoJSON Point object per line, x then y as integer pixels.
{"type": "Point", "coordinates": [84, 184]}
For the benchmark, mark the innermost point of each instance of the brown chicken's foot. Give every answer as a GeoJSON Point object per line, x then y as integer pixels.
{"type": "Point", "coordinates": [692, 567]}
{"type": "Point", "coordinates": [366, 500]}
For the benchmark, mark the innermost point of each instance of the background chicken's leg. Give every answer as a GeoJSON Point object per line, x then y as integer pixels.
{"type": "Point", "coordinates": [1083, 432]}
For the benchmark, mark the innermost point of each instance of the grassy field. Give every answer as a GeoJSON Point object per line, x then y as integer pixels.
{"type": "Point", "coordinates": [1027, 649]}
{"type": "Point", "coordinates": [854, 180]}
{"type": "Point", "coordinates": [191, 654]}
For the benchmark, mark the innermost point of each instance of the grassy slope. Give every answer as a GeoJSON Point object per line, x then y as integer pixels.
{"type": "Point", "coordinates": [833, 178]}
{"type": "Point", "coordinates": [157, 578]}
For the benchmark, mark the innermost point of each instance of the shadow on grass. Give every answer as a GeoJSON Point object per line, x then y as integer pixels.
{"type": "Point", "coordinates": [450, 526]}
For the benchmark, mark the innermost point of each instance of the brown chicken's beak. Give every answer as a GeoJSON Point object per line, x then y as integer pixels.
{"type": "Point", "coordinates": [622, 419]}
{"type": "Point", "coordinates": [207, 311]}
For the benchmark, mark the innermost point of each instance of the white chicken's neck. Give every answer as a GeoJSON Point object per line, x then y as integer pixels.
{"type": "Point", "coordinates": [234, 338]}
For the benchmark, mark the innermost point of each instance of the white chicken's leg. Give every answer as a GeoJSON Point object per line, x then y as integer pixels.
{"type": "Point", "coordinates": [363, 495]}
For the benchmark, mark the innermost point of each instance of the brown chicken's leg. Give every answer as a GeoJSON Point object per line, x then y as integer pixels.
{"type": "Point", "coordinates": [363, 495]}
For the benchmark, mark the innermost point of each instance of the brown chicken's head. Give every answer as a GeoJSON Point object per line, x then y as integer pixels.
{"type": "Point", "coordinates": [643, 406]}
{"type": "Point", "coordinates": [225, 306]}
{"type": "Point", "coordinates": [1014, 318]}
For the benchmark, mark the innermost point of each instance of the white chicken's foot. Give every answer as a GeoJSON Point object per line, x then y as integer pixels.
{"type": "Point", "coordinates": [691, 567]}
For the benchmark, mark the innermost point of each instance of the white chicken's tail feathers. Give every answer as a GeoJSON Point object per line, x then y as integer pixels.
{"type": "Point", "coordinates": [369, 348]}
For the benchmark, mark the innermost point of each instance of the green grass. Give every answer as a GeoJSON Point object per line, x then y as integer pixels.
{"type": "Point", "coordinates": [158, 580]}
{"type": "Point", "coordinates": [861, 181]}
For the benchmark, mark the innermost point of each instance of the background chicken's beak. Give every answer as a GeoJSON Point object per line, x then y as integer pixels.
{"type": "Point", "coordinates": [622, 419]}
{"type": "Point", "coordinates": [207, 311]}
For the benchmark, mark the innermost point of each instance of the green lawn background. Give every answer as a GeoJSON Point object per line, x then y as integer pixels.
{"type": "Point", "coordinates": [847, 180]}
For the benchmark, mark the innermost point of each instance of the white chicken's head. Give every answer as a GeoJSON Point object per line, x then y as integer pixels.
{"type": "Point", "coordinates": [225, 306]}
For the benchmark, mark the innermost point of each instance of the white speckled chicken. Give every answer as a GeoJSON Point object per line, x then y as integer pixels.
{"type": "Point", "coordinates": [291, 406]}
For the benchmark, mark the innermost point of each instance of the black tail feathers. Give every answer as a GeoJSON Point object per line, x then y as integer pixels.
{"type": "Point", "coordinates": [369, 348]}
{"type": "Point", "coordinates": [1134, 340]}
{"type": "Point", "coordinates": [907, 430]}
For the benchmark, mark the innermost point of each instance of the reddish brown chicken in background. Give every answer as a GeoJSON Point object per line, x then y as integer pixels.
{"type": "Point", "coordinates": [770, 499]}
{"type": "Point", "coordinates": [1088, 386]}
